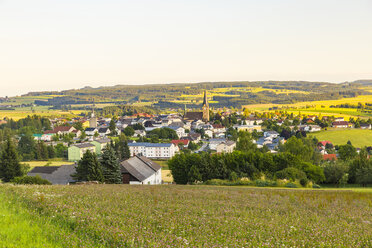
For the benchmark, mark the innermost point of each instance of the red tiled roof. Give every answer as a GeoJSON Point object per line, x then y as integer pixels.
{"type": "Point", "coordinates": [329, 157]}
{"type": "Point", "coordinates": [184, 142]}
{"type": "Point", "coordinates": [340, 123]}
{"type": "Point", "coordinates": [325, 142]}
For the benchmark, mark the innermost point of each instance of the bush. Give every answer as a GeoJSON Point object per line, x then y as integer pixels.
{"type": "Point", "coordinates": [265, 183]}
{"type": "Point", "coordinates": [31, 180]}
{"type": "Point", "coordinates": [290, 173]}
{"type": "Point", "coordinates": [316, 186]}
{"type": "Point", "coordinates": [304, 182]}
{"type": "Point", "coordinates": [291, 185]}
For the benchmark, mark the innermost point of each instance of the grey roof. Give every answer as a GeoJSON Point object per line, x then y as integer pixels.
{"type": "Point", "coordinates": [90, 129]}
{"type": "Point", "coordinates": [103, 130]}
{"type": "Point", "coordinates": [146, 144]}
{"type": "Point", "coordinates": [84, 145]}
{"type": "Point", "coordinates": [139, 167]}
{"type": "Point", "coordinates": [103, 141]}
{"type": "Point", "coordinates": [44, 169]}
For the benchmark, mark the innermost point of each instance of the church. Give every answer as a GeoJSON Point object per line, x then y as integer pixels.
{"type": "Point", "coordinates": [204, 115]}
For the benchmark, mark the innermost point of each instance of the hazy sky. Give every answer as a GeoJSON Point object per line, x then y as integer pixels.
{"type": "Point", "coordinates": [63, 44]}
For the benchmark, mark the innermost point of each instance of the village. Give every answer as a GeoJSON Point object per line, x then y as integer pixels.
{"type": "Point", "coordinates": [151, 138]}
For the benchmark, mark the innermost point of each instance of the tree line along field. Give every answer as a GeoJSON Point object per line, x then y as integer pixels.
{"type": "Point", "coordinates": [357, 137]}
{"type": "Point", "coordinates": [192, 216]}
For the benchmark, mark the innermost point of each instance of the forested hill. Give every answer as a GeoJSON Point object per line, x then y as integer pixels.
{"type": "Point", "coordinates": [365, 82]}
{"type": "Point", "coordinates": [227, 94]}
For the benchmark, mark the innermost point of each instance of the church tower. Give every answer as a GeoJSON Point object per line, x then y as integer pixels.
{"type": "Point", "coordinates": [93, 119]}
{"type": "Point", "coordinates": [205, 108]}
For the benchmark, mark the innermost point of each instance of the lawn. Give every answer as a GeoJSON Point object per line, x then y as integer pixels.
{"type": "Point", "coordinates": [358, 137]}
{"type": "Point", "coordinates": [202, 216]}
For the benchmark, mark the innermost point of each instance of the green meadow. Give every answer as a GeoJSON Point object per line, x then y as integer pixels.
{"type": "Point", "coordinates": [183, 216]}
{"type": "Point", "coordinates": [358, 137]}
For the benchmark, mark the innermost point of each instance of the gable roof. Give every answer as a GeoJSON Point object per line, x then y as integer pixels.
{"type": "Point", "coordinates": [90, 129]}
{"type": "Point", "coordinates": [193, 116]}
{"type": "Point", "coordinates": [103, 141]}
{"type": "Point", "coordinates": [139, 167]}
{"type": "Point", "coordinates": [84, 145]}
{"type": "Point", "coordinates": [103, 130]}
{"type": "Point", "coordinates": [177, 142]}
{"type": "Point", "coordinates": [44, 169]}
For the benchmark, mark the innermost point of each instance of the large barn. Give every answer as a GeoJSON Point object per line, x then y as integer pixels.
{"type": "Point", "coordinates": [140, 170]}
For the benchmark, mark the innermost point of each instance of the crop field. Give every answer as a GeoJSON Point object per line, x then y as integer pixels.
{"type": "Point", "coordinates": [358, 137]}
{"type": "Point", "coordinates": [196, 216]}
{"type": "Point", "coordinates": [46, 163]}
{"type": "Point", "coordinates": [320, 107]}
{"type": "Point", "coordinates": [20, 113]}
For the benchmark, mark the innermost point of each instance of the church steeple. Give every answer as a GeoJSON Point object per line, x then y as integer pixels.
{"type": "Point", "coordinates": [205, 107]}
{"type": "Point", "coordinates": [205, 101]}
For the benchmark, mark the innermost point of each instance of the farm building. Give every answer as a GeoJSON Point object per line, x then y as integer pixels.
{"type": "Point", "coordinates": [54, 174]}
{"type": "Point", "coordinates": [140, 170]}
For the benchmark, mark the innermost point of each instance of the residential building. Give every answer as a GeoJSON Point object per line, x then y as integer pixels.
{"type": "Point", "coordinates": [76, 152]}
{"type": "Point", "coordinates": [153, 150]}
{"type": "Point", "coordinates": [226, 147]}
{"type": "Point", "coordinates": [91, 131]}
{"type": "Point", "coordinates": [100, 144]}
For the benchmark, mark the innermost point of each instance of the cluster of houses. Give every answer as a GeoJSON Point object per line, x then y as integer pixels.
{"type": "Point", "coordinates": [140, 168]}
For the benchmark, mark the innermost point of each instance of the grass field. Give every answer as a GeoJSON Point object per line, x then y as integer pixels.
{"type": "Point", "coordinates": [46, 163]}
{"type": "Point", "coordinates": [199, 216]}
{"type": "Point", "coordinates": [358, 137]}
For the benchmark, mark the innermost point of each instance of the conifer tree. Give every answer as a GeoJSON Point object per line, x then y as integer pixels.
{"type": "Point", "coordinates": [110, 166]}
{"type": "Point", "coordinates": [9, 162]}
{"type": "Point", "coordinates": [88, 168]}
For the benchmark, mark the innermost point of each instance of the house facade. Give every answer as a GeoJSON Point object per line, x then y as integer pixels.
{"type": "Point", "coordinates": [153, 150]}
{"type": "Point", "coordinates": [76, 152]}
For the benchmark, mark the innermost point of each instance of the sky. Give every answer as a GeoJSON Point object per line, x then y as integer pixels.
{"type": "Point", "coordinates": [54, 45]}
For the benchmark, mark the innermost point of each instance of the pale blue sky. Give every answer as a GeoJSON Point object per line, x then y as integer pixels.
{"type": "Point", "coordinates": [63, 44]}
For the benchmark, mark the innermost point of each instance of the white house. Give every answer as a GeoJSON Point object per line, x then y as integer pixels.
{"type": "Point", "coordinates": [90, 131]}
{"type": "Point", "coordinates": [271, 134]}
{"type": "Point", "coordinates": [153, 150]}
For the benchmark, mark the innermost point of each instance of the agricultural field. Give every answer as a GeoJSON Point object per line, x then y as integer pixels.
{"type": "Point", "coordinates": [358, 137]}
{"type": "Point", "coordinates": [46, 163]}
{"type": "Point", "coordinates": [20, 113]}
{"type": "Point", "coordinates": [320, 107]}
{"type": "Point", "coordinates": [196, 216]}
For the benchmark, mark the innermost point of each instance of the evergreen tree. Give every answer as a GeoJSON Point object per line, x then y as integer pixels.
{"type": "Point", "coordinates": [88, 168]}
{"type": "Point", "coordinates": [110, 166]}
{"type": "Point", "coordinates": [9, 162]}
{"type": "Point", "coordinates": [27, 146]}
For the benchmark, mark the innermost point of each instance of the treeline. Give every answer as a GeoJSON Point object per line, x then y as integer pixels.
{"type": "Point", "coordinates": [36, 123]}
{"type": "Point", "coordinates": [121, 110]}
{"type": "Point", "coordinates": [298, 160]}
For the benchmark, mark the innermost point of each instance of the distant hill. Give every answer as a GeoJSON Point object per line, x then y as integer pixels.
{"type": "Point", "coordinates": [221, 94]}
{"type": "Point", "coordinates": [365, 82]}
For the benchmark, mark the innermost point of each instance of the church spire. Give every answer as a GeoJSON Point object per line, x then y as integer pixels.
{"type": "Point", "coordinates": [205, 101]}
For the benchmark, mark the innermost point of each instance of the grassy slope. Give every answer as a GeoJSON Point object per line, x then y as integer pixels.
{"type": "Point", "coordinates": [19, 228]}
{"type": "Point", "coordinates": [358, 137]}
{"type": "Point", "coordinates": [196, 216]}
